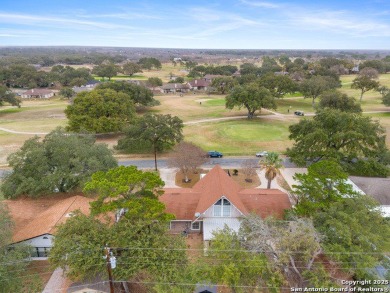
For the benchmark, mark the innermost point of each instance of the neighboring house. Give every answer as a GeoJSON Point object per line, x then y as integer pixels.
{"type": "Point", "coordinates": [36, 220]}
{"type": "Point", "coordinates": [37, 94]}
{"type": "Point", "coordinates": [92, 83]}
{"type": "Point", "coordinates": [199, 85]}
{"type": "Point", "coordinates": [175, 88]}
{"type": "Point", "coordinates": [79, 89]}
{"type": "Point", "coordinates": [355, 69]}
{"type": "Point", "coordinates": [217, 200]}
{"type": "Point", "coordinates": [377, 188]}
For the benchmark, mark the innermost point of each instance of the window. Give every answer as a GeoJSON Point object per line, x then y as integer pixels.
{"type": "Point", "coordinates": [195, 226]}
{"type": "Point", "coordinates": [222, 208]}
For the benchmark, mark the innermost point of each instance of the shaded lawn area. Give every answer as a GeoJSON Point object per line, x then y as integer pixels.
{"type": "Point", "coordinates": [240, 137]}
{"type": "Point", "coordinates": [302, 104]}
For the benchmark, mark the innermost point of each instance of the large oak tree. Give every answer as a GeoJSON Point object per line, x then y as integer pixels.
{"type": "Point", "coordinates": [333, 134]}
{"type": "Point", "coordinates": [61, 162]}
{"type": "Point", "coordinates": [251, 96]}
{"type": "Point", "coordinates": [100, 111]}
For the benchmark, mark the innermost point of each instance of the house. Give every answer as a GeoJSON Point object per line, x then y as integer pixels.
{"type": "Point", "coordinates": [36, 220]}
{"type": "Point", "coordinates": [175, 88]}
{"type": "Point", "coordinates": [376, 187]}
{"type": "Point", "coordinates": [217, 200]}
{"type": "Point", "coordinates": [37, 94]}
{"type": "Point", "coordinates": [92, 83]}
{"type": "Point", "coordinates": [199, 85]}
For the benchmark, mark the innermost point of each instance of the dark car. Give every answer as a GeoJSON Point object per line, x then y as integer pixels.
{"type": "Point", "coordinates": [299, 113]}
{"type": "Point", "coordinates": [214, 154]}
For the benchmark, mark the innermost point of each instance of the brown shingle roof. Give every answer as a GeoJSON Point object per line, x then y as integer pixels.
{"type": "Point", "coordinates": [199, 83]}
{"type": "Point", "coordinates": [185, 202]}
{"type": "Point", "coordinates": [37, 217]}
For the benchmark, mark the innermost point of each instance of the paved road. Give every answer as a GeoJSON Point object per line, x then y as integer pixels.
{"type": "Point", "coordinates": [232, 162]}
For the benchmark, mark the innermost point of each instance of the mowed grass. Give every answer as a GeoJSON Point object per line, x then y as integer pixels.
{"type": "Point", "coordinates": [240, 137]}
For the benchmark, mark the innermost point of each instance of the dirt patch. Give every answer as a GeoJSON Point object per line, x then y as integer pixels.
{"type": "Point", "coordinates": [193, 178]}
{"type": "Point", "coordinates": [42, 269]}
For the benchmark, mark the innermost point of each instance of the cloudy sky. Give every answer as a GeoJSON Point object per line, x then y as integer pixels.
{"type": "Point", "coordinates": [246, 24]}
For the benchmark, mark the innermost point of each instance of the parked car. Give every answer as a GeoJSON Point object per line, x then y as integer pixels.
{"type": "Point", "coordinates": [214, 154]}
{"type": "Point", "coordinates": [262, 154]}
{"type": "Point", "coordinates": [299, 113]}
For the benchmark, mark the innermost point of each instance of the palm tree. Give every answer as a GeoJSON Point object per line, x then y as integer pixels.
{"type": "Point", "coordinates": [271, 164]}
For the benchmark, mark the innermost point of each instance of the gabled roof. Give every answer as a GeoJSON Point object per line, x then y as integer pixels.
{"type": "Point", "coordinates": [185, 202]}
{"type": "Point", "coordinates": [33, 220]}
{"type": "Point", "coordinates": [215, 185]}
{"type": "Point", "coordinates": [169, 86]}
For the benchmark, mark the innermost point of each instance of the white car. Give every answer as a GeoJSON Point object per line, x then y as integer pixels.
{"type": "Point", "coordinates": [262, 154]}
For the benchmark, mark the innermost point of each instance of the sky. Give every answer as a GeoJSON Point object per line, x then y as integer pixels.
{"type": "Point", "coordinates": [213, 24]}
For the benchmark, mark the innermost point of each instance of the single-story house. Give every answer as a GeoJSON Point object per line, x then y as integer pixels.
{"type": "Point", "coordinates": [175, 88]}
{"type": "Point", "coordinates": [92, 83]}
{"type": "Point", "coordinates": [79, 89]}
{"type": "Point", "coordinates": [37, 94]}
{"type": "Point", "coordinates": [36, 220]}
{"type": "Point", "coordinates": [217, 200]}
{"type": "Point", "coordinates": [199, 85]}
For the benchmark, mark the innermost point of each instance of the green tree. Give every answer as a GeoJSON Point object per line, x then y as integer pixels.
{"type": "Point", "coordinates": [154, 82]}
{"type": "Point", "coordinates": [6, 96]}
{"type": "Point", "coordinates": [100, 111]}
{"type": "Point", "coordinates": [82, 240]}
{"type": "Point", "coordinates": [316, 85]}
{"type": "Point", "coordinates": [324, 184]}
{"type": "Point", "coordinates": [386, 99]}
{"type": "Point", "coordinates": [14, 262]}
{"type": "Point", "coordinates": [238, 268]}
{"type": "Point", "coordinates": [67, 92]}
{"type": "Point", "coordinates": [106, 69]}
{"type": "Point", "coordinates": [364, 84]}
{"type": "Point", "coordinates": [355, 234]}
{"type": "Point", "coordinates": [149, 63]}
{"type": "Point", "coordinates": [60, 162]}
{"type": "Point", "coordinates": [128, 188]}
{"type": "Point", "coordinates": [140, 95]}
{"type": "Point", "coordinates": [161, 132]}
{"type": "Point", "coordinates": [252, 97]}
{"type": "Point", "coordinates": [271, 164]}
{"type": "Point", "coordinates": [279, 85]}
{"type": "Point", "coordinates": [337, 100]}
{"type": "Point", "coordinates": [223, 85]}
{"type": "Point", "coordinates": [336, 135]}
{"type": "Point", "coordinates": [130, 68]}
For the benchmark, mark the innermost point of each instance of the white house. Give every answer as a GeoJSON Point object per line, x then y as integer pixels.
{"type": "Point", "coordinates": [37, 94]}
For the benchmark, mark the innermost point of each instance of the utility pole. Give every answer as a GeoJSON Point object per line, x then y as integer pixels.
{"type": "Point", "coordinates": [108, 263]}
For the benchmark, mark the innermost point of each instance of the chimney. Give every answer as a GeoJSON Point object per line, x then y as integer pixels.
{"type": "Point", "coordinates": [175, 85]}
{"type": "Point", "coordinates": [32, 91]}
{"type": "Point", "coordinates": [196, 81]}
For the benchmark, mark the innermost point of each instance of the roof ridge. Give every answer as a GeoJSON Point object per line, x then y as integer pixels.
{"type": "Point", "coordinates": [67, 208]}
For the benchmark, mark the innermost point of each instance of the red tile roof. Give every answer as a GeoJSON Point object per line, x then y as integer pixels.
{"type": "Point", "coordinates": [185, 202]}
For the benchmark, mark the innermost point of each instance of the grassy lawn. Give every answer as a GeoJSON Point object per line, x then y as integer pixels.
{"type": "Point", "coordinates": [240, 137]}
{"type": "Point", "coordinates": [302, 104]}
{"type": "Point", "coordinates": [215, 102]}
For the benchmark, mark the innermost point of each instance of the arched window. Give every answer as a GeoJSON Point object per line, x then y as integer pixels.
{"type": "Point", "coordinates": [222, 208]}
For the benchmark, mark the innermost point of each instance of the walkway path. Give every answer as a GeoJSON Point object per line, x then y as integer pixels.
{"type": "Point", "coordinates": [56, 282]}
{"type": "Point", "coordinates": [168, 176]}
